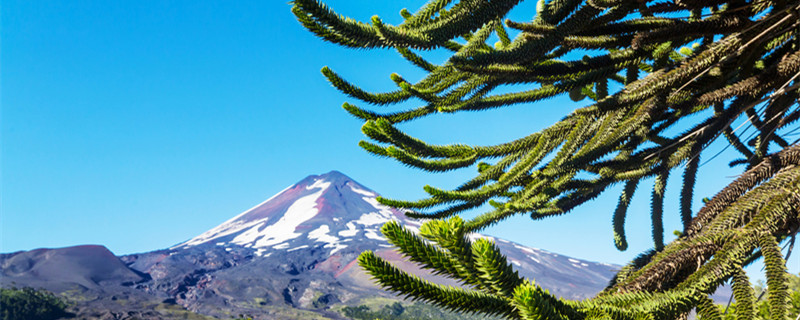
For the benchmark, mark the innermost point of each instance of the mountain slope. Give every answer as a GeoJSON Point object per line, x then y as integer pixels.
{"type": "Point", "coordinates": [330, 210]}
{"type": "Point", "coordinates": [89, 266]}
{"type": "Point", "coordinates": [334, 212]}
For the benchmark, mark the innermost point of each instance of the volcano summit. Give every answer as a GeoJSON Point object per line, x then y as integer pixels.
{"type": "Point", "coordinates": [329, 210]}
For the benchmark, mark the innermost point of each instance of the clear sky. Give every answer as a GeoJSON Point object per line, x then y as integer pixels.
{"type": "Point", "coordinates": [140, 124]}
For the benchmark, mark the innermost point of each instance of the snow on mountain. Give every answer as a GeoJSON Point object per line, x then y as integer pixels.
{"type": "Point", "coordinates": [329, 210]}
{"type": "Point", "coordinates": [335, 218]}
{"type": "Point", "coordinates": [340, 216]}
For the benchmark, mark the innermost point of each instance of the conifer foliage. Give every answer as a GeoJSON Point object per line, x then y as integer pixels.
{"type": "Point", "coordinates": [653, 66]}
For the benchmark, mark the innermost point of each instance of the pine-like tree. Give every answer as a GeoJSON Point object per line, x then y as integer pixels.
{"type": "Point", "coordinates": [657, 65]}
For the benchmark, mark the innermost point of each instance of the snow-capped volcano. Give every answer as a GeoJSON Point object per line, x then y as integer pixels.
{"type": "Point", "coordinates": [334, 218]}
{"type": "Point", "coordinates": [329, 210]}
{"type": "Point", "coordinates": [298, 249]}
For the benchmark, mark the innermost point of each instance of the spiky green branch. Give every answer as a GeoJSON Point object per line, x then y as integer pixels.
{"type": "Point", "coordinates": [699, 66]}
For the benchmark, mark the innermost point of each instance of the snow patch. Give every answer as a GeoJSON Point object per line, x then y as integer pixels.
{"type": "Point", "coordinates": [250, 235]}
{"type": "Point", "coordinates": [524, 249]}
{"type": "Point", "coordinates": [230, 226]}
{"type": "Point", "coordinates": [281, 246]}
{"type": "Point", "coordinates": [361, 191]}
{"type": "Point", "coordinates": [337, 247]}
{"type": "Point", "coordinates": [298, 248]}
{"type": "Point", "coordinates": [534, 259]}
{"type": "Point", "coordinates": [516, 263]}
{"type": "Point", "coordinates": [321, 235]}
{"type": "Point", "coordinates": [372, 218]}
{"type": "Point", "coordinates": [383, 211]}
{"type": "Point", "coordinates": [351, 230]}
{"type": "Point", "coordinates": [372, 234]}
{"type": "Point", "coordinates": [319, 184]}
{"type": "Point", "coordinates": [222, 230]}
{"type": "Point", "coordinates": [574, 261]}
{"type": "Point", "coordinates": [299, 212]}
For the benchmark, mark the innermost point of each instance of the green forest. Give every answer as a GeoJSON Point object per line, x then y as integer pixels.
{"type": "Point", "coordinates": [29, 303]}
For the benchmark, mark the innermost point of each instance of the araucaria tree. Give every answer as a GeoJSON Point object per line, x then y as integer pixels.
{"type": "Point", "coordinates": [686, 65]}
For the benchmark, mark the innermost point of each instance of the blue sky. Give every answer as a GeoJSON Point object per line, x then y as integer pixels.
{"type": "Point", "coordinates": [140, 124]}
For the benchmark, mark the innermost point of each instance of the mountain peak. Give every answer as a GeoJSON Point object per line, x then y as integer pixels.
{"type": "Point", "coordinates": [334, 177]}
{"type": "Point", "coordinates": [328, 176]}
{"type": "Point", "coordinates": [330, 210]}
{"type": "Point", "coordinates": [333, 174]}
